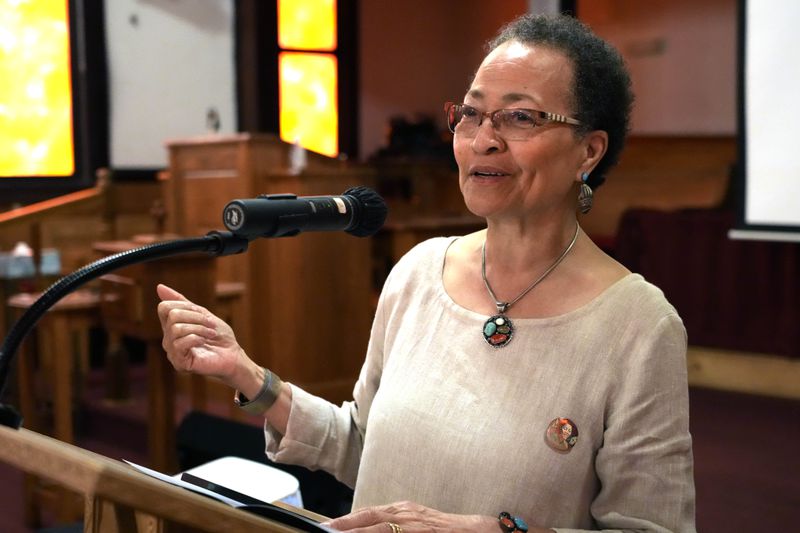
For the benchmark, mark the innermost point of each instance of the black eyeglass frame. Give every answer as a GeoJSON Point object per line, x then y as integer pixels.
{"type": "Point", "coordinates": [449, 108]}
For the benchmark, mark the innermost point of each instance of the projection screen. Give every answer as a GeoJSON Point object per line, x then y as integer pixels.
{"type": "Point", "coordinates": [769, 116]}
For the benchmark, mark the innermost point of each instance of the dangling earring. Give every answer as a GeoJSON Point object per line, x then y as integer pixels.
{"type": "Point", "coordinates": [585, 195]}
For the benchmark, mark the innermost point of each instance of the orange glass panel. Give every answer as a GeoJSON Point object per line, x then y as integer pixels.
{"type": "Point", "coordinates": [309, 111]}
{"type": "Point", "coordinates": [307, 24]}
{"type": "Point", "coordinates": [36, 91]}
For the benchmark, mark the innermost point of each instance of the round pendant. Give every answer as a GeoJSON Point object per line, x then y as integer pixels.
{"type": "Point", "coordinates": [498, 330]}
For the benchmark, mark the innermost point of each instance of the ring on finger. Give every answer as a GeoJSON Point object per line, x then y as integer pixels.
{"type": "Point", "coordinates": [395, 528]}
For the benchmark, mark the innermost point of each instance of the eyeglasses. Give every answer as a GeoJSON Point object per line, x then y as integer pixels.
{"type": "Point", "coordinates": [511, 124]}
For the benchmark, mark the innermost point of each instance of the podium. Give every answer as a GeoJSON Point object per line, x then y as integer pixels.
{"type": "Point", "coordinates": [120, 499]}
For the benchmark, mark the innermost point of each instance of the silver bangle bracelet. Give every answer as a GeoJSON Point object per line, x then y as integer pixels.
{"type": "Point", "coordinates": [268, 395]}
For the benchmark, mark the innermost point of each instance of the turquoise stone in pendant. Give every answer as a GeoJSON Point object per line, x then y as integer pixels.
{"type": "Point", "coordinates": [498, 330]}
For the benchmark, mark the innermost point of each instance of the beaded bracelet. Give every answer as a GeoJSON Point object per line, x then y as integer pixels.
{"type": "Point", "coordinates": [268, 395]}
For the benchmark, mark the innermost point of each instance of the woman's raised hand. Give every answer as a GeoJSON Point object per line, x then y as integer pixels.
{"type": "Point", "coordinates": [196, 340]}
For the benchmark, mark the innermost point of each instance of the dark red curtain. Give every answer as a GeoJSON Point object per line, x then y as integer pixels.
{"type": "Point", "coordinates": [737, 295]}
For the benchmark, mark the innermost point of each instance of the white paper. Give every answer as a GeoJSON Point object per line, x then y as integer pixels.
{"type": "Point", "coordinates": [188, 486]}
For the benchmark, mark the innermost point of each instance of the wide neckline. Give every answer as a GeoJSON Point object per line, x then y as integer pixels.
{"type": "Point", "coordinates": [598, 300]}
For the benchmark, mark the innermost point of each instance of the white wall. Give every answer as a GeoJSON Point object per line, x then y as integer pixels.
{"type": "Point", "coordinates": [169, 62]}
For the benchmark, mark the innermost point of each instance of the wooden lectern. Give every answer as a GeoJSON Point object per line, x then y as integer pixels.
{"type": "Point", "coordinates": [120, 499]}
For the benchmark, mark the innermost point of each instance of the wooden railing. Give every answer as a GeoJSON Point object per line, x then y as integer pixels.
{"type": "Point", "coordinates": [32, 216]}
{"type": "Point", "coordinates": [35, 213]}
{"type": "Point", "coordinates": [25, 223]}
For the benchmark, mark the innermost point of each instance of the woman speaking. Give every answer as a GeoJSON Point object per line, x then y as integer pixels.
{"type": "Point", "coordinates": [518, 378]}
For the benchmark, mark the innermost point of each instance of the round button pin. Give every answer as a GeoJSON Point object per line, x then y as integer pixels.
{"type": "Point", "coordinates": [561, 434]}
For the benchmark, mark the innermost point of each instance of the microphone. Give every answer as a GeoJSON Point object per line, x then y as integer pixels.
{"type": "Point", "coordinates": [359, 211]}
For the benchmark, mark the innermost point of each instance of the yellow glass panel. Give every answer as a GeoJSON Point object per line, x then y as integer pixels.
{"type": "Point", "coordinates": [307, 24]}
{"type": "Point", "coordinates": [309, 111]}
{"type": "Point", "coordinates": [36, 91]}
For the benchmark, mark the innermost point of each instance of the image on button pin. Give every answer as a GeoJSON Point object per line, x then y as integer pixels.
{"type": "Point", "coordinates": [561, 434]}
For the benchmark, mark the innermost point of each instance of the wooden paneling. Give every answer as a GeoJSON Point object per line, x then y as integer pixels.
{"type": "Point", "coordinates": [752, 373]}
{"type": "Point", "coordinates": [665, 173]}
{"type": "Point", "coordinates": [71, 223]}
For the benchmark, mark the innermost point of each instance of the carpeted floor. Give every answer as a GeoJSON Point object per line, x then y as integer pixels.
{"type": "Point", "coordinates": [747, 466]}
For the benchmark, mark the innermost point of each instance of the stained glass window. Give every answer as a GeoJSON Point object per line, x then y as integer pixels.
{"type": "Point", "coordinates": [36, 131]}
{"type": "Point", "coordinates": [308, 84]}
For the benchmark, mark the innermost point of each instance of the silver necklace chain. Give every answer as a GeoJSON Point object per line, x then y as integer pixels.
{"type": "Point", "coordinates": [502, 307]}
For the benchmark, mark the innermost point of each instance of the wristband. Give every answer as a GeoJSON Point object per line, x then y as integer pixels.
{"type": "Point", "coordinates": [268, 395]}
{"type": "Point", "coordinates": [509, 523]}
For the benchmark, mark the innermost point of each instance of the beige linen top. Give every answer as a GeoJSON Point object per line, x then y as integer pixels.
{"type": "Point", "coordinates": [441, 418]}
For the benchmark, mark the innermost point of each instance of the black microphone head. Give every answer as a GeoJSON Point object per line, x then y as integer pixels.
{"type": "Point", "coordinates": [371, 211]}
